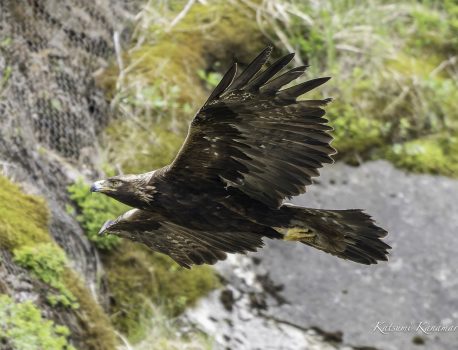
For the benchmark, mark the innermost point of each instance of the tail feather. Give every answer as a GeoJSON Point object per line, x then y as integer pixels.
{"type": "Point", "coordinates": [348, 234]}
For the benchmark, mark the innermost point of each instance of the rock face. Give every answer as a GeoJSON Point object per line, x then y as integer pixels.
{"type": "Point", "coordinates": [276, 296]}
{"type": "Point", "coordinates": [50, 107]}
{"type": "Point", "coordinates": [51, 111]}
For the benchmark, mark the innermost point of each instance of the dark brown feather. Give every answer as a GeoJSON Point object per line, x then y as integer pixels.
{"type": "Point", "coordinates": [186, 246]}
{"type": "Point", "coordinates": [267, 147]}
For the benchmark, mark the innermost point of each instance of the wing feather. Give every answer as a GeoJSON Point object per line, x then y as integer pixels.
{"type": "Point", "coordinates": [266, 75]}
{"type": "Point", "coordinates": [227, 80]}
{"type": "Point", "coordinates": [184, 245]}
{"type": "Point", "coordinates": [276, 84]}
{"type": "Point", "coordinates": [256, 138]}
{"type": "Point", "coordinates": [252, 69]}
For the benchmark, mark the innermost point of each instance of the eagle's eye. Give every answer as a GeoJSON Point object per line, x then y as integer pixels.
{"type": "Point", "coordinates": [116, 183]}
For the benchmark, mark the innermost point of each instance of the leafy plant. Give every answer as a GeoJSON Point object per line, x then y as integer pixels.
{"type": "Point", "coordinates": [24, 328]}
{"type": "Point", "coordinates": [48, 262]}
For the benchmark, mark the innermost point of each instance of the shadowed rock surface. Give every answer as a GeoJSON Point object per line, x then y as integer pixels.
{"type": "Point", "coordinates": [286, 289]}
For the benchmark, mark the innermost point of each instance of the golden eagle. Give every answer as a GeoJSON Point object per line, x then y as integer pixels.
{"type": "Point", "coordinates": [250, 146]}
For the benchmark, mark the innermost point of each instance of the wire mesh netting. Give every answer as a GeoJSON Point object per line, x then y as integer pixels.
{"type": "Point", "coordinates": [50, 52]}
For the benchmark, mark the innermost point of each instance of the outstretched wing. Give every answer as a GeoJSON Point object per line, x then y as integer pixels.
{"type": "Point", "coordinates": [255, 137]}
{"type": "Point", "coordinates": [184, 245]}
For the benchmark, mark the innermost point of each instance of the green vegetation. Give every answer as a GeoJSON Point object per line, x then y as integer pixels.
{"type": "Point", "coordinates": [165, 79]}
{"type": "Point", "coordinates": [47, 262]}
{"type": "Point", "coordinates": [93, 211]}
{"type": "Point", "coordinates": [436, 155]}
{"type": "Point", "coordinates": [394, 71]}
{"type": "Point", "coordinates": [24, 232]}
{"type": "Point", "coordinates": [15, 231]}
{"type": "Point", "coordinates": [24, 328]}
{"type": "Point", "coordinates": [98, 332]}
{"type": "Point", "coordinates": [139, 279]}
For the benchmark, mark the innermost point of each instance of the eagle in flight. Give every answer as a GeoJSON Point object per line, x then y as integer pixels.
{"type": "Point", "coordinates": [251, 146]}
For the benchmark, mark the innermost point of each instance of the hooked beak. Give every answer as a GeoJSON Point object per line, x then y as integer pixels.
{"type": "Point", "coordinates": [98, 186]}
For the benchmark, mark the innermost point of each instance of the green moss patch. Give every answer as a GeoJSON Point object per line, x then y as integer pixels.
{"type": "Point", "coordinates": [98, 332]}
{"type": "Point", "coordinates": [24, 232]}
{"type": "Point", "coordinates": [137, 277]}
{"type": "Point", "coordinates": [24, 218]}
{"type": "Point", "coordinates": [24, 328]}
{"type": "Point", "coordinates": [438, 155]}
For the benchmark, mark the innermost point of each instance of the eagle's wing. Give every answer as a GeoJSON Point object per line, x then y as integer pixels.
{"type": "Point", "coordinates": [255, 137]}
{"type": "Point", "coordinates": [184, 245]}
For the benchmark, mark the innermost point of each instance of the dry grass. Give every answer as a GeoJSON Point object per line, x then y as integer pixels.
{"type": "Point", "coordinates": [395, 71]}
{"type": "Point", "coordinates": [156, 85]}
{"type": "Point", "coordinates": [165, 333]}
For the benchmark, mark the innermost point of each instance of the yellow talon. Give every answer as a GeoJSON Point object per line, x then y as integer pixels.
{"type": "Point", "coordinates": [298, 234]}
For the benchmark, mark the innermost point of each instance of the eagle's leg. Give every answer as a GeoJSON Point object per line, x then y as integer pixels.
{"type": "Point", "coordinates": [349, 234]}
{"type": "Point", "coordinates": [302, 234]}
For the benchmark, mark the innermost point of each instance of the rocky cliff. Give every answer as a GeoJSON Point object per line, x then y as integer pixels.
{"type": "Point", "coordinates": [293, 297]}
{"type": "Point", "coordinates": [50, 114]}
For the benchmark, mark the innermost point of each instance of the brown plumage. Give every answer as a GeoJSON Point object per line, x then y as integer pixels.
{"type": "Point", "coordinates": [249, 147]}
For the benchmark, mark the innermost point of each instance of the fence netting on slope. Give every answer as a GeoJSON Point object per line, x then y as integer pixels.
{"type": "Point", "coordinates": [50, 51]}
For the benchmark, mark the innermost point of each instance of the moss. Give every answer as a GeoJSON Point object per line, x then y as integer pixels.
{"type": "Point", "coordinates": [15, 231]}
{"type": "Point", "coordinates": [354, 136]}
{"type": "Point", "coordinates": [138, 277]}
{"type": "Point", "coordinates": [154, 147]}
{"type": "Point", "coordinates": [163, 87]}
{"type": "Point", "coordinates": [436, 28]}
{"type": "Point", "coordinates": [393, 84]}
{"type": "Point", "coordinates": [93, 211]}
{"type": "Point", "coordinates": [24, 328]}
{"type": "Point", "coordinates": [436, 155]}
{"type": "Point", "coordinates": [24, 231]}
{"type": "Point", "coordinates": [48, 262]}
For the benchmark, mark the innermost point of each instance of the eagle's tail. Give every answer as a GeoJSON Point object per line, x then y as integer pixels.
{"type": "Point", "coordinates": [348, 234]}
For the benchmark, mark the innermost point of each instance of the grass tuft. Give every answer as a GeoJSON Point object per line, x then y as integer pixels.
{"type": "Point", "coordinates": [139, 278]}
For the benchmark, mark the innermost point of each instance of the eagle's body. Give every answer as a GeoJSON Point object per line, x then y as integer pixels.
{"type": "Point", "coordinates": [248, 148]}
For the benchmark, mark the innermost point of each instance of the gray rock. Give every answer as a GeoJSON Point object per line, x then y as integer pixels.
{"type": "Point", "coordinates": [418, 286]}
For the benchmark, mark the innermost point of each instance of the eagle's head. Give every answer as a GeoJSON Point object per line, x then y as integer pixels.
{"type": "Point", "coordinates": [133, 190]}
